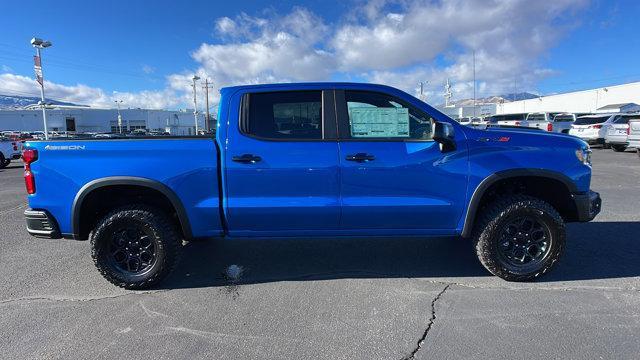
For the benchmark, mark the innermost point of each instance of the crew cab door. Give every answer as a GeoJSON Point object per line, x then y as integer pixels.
{"type": "Point", "coordinates": [281, 164]}
{"type": "Point", "coordinates": [395, 178]}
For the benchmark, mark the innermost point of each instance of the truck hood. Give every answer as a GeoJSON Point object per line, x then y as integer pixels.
{"type": "Point", "coordinates": [520, 135]}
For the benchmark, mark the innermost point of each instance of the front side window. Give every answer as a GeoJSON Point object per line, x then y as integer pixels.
{"type": "Point", "coordinates": [380, 116]}
{"type": "Point", "coordinates": [291, 115]}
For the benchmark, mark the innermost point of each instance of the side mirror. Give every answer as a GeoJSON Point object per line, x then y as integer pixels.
{"type": "Point", "coordinates": [444, 134]}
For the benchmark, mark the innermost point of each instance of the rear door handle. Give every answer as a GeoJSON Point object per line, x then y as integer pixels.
{"type": "Point", "coordinates": [247, 159]}
{"type": "Point", "coordinates": [361, 157]}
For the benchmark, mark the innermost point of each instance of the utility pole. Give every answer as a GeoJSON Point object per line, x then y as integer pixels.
{"type": "Point", "coordinates": [118, 102]}
{"type": "Point", "coordinates": [422, 84]}
{"type": "Point", "coordinates": [207, 120]}
{"type": "Point", "coordinates": [195, 102]}
{"type": "Point", "coordinates": [37, 66]}
{"type": "Point", "coordinates": [447, 93]}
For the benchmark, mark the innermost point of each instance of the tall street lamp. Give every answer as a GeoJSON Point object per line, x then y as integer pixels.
{"type": "Point", "coordinates": [195, 103]}
{"type": "Point", "coordinates": [41, 44]}
{"type": "Point", "coordinates": [118, 102]}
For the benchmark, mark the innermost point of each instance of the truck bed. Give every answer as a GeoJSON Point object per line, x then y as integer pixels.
{"type": "Point", "coordinates": [185, 166]}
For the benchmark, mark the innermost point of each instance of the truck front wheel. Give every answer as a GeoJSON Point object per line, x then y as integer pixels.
{"type": "Point", "coordinates": [135, 247]}
{"type": "Point", "coordinates": [519, 237]}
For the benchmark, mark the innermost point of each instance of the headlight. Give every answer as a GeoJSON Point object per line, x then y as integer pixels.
{"type": "Point", "coordinates": [584, 156]}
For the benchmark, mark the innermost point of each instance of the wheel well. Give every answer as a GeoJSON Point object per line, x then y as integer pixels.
{"type": "Point", "coordinates": [104, 199]}
{"type": "Point", "coordinates": [553, 191]}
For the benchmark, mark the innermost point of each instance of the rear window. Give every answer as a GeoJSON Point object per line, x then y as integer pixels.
{"type": "Point", "coordinates": [563, 118]}
{"type": "Point", "coordinates": [507, 117]}
{"type": "Point", "coordinates": [291, 115]}
{"type": "Point", "coordinates": [536, 117]}
{"type": "Point", "coordinates": [591, 120]}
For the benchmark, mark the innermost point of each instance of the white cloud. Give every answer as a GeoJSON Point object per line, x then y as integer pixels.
{"type": "Point", "coordinates": [6, 69]}
{"type": "Point", "coordinates": [508, 36]}
{"type": "Point", "coordinates": [12, 84]}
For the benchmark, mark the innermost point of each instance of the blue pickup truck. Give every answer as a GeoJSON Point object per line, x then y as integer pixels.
{"type": "Point", "coordinates": [313, 160]}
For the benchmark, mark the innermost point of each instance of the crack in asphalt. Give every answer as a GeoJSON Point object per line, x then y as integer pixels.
{"type": "Point", "coordinates": [72, 299]}
{"type": "Point", "coordinates": [12, 209]}
{"type": "Point", "coordinates": [412, 355]}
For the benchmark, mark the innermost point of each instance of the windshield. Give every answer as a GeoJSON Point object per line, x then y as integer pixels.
{"type": "Point", "coordinates": [591, 120]}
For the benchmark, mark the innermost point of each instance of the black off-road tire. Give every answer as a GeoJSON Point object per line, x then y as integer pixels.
{"type": "Point", "coordinates": [493, 220]}
{"type": "Point", "coordinates": [619, 148]}
{"type": "Point", "coordinates": [160, 230]}
{"type": "Point", "coordinates": [3, 162]}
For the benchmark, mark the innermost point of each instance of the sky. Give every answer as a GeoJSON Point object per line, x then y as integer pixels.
{"type": "Point", "coordinates": [145, 52]}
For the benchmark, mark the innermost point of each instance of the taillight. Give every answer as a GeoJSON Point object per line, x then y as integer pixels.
{"type": "Point", "coordinates": [517, 123]}
{"type": "Point", "coordinates": [597, 126]}
{"type": "Point", "coordinates": [28, 157]}
{"type": "Point", "coordinates": [15, 147]}
{"type": "Point", "coordinates": [628, 130]}
{"type": "Point", "coordinates": [549, 127]}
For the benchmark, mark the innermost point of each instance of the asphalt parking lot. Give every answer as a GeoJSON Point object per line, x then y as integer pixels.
{"type": "Point", "coordinates": [332, 298]}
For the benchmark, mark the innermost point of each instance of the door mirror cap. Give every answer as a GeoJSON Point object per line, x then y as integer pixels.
{"type": "Point", "coordinates": [444, 134]}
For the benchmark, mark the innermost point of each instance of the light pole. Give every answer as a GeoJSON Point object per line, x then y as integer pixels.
{"type": "Point", "coordinates": [41, 44]}
{"type": "Point", "coordinates": [118, 102]}
{"type": "Point", "coordinates": [195, 103]}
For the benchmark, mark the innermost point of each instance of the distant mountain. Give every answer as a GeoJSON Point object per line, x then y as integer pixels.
{"type": "Point", "coordinates": [14, 102]}
{"type": "Point", "coordinates": [495, 99]}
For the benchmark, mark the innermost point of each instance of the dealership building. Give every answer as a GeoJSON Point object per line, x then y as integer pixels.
{"type": "Point", "coordinates": [616, 98]}
{"type": "Point", "coordinates": [85, 119]}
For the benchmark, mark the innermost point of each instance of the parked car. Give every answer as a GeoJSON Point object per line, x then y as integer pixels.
{"type": "Point", "coordinates": [617, 134]}
{"type": "Point", "coordinates": [593, 128]}
{"type": "Point", "coordinates": [464, 121]}
{"type": "Point", "coordinates": [543, 121]}
{"type": "Point", "coordinates": [633, 137]}
{"type": "Point", "coordinates": [313, 160]}
{"type": "Point", "coordinates": [9, 150]}
{"type": "Point", "coordinates": [508, 120]}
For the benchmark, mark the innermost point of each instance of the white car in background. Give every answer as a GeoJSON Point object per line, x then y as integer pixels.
{"type": "Point", "coordinates": [593, 128]}
{"type": "Point", "coordinates": [543, 121]}
{"type": "Point", "coordinates": [633, 138]}
{"type": "Point", "coordinates": [617, 135]}
{"type": "Point", "coordinates": [508, 120]}
{"type": "Point", "coordinates": [9, 150]}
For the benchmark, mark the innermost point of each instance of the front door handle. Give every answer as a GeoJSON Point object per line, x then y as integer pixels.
{"type": "Point", "coordinates": [361, 157]}
{"type": "Point", "coordinates": [247, 159]}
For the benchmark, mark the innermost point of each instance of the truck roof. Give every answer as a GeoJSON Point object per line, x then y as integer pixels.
{"type": "Point", "coordinates": [308, 85]}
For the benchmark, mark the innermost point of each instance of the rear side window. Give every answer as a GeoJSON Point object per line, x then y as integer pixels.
{"type": "Point", "coordinates": [591, 120]}
{"type": "Point", "coordinates": [290, 115]}
{"type": "Point", "coordinates": [624, 119]}
{"type": "Point", "coordinates": [380, 116]}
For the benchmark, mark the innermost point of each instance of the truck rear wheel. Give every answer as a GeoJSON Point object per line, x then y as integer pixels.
{"type": "Point", "coordinates": [135, 247]}
{"type": "Point", "coordinates": [519, 238]}
{"type": "Point", "coordinates": [3, 161]}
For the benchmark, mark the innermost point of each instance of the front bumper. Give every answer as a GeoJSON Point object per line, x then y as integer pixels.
{"type": "Point", "coordinates": [588, 205]}
{"type": "Point", "coordinates": [41, 224]}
